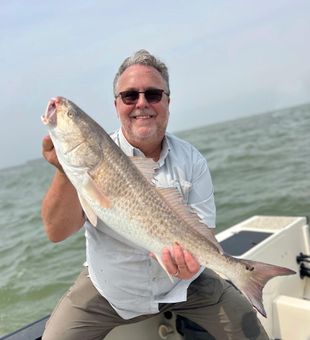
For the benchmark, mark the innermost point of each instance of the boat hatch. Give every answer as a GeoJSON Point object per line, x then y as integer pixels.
{"type": "Point", "coordinates": [242, 241]}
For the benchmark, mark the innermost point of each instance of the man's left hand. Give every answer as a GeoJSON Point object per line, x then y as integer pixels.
{"type": "Point", "coordinates": [180, 263]}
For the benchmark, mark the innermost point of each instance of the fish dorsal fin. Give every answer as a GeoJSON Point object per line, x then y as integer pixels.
{"type": "Point", "coordinates": [91, 190]}
{"type": "Point", "coordinates": [146, 166]}
{"type": "Point", "coordinates": [92, 217]}
{"type": "Point", "coordinates": [175, 201]}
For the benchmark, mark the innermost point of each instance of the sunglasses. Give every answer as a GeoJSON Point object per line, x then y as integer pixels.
{"type": "Point", "coordinates": [152, 96]}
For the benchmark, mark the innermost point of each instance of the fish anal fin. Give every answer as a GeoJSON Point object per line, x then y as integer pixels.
{"type": "Point", "coordinates": [158, 258]}
{"type": "Point", "coordinates": [146, 166]}
{"type": "Point", "coordinates": [175, 201]}
{"type": "Point", "coordinates": [91, 189]}
{"type": "Point", "coordinates": [92, 217]}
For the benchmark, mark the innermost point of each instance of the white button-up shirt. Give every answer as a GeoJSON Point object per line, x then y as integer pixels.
{"type": "Point", "coordinates": [125, 274]}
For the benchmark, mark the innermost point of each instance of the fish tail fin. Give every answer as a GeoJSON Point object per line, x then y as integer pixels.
{"type": "Point", "coordinates": [257, 275]}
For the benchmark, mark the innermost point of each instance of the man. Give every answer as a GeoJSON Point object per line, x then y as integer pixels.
{"type": "Point", "coordinates": [122, 283]}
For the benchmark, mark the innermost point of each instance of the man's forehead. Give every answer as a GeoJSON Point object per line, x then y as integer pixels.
{"type": "Point", "coordinates": [140, 74]}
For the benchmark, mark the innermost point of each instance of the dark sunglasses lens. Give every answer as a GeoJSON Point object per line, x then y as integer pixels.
{"type": "Point", "coordinates": [130, 97]}
{"type": "Point", "coordinates": [153, 96]}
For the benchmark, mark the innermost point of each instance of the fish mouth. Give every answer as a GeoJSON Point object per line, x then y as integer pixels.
{"type": "Point", "coordinates": [50, 115]}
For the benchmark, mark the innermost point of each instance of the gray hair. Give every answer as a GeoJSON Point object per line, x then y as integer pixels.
{"type": "Point", "coordinates": [142, 57]}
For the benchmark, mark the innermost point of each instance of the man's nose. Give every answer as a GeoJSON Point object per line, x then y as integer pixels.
{"type": "Point", "coordinates": [142, 102]}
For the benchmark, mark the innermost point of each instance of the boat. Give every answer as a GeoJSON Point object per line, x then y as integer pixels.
{"type": "Point", "coordinates": [280, 240]}
{"type": "Point", "coordinates": [283, 241]}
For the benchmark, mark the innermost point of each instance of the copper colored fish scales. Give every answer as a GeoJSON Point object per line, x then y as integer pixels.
{"type": "Point", "coordinates": [119, 191]}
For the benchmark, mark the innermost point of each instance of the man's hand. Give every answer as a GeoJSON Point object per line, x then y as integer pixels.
{"type": "Point", "coordinates": [180, 263]}
{"type": "Point", "coordinates": [48, 152]}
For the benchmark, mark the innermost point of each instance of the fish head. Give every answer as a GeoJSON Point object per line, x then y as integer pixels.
{"type": "Point", "coordinates": [76, 137]}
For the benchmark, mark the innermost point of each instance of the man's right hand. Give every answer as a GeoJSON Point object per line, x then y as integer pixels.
{"type": "Point", "coordinates": [49, 153]}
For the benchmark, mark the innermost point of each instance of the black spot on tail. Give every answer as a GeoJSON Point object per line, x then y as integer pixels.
{"type": "Point", "coordinates": [248, 267]}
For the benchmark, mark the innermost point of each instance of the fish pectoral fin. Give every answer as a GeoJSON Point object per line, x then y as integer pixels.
{"type": "Point", "coordinates": [159, 260]}
{"type": "Point", "coordinates": [91, 189]}
{"type": "Point", "coordinates": [92, 217]}
{"type": "Point", "coordinates": [146, 166]}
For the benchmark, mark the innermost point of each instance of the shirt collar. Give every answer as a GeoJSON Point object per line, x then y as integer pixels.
{"type": "Point", "coordinates": [127, 147]}
{"type": "Point", "coordinates": [132, 151]}
{"type": "Point", "coordinates": [164, 151]}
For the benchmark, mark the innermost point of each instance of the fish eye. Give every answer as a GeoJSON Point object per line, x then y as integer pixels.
{"type": "Point", "coordinates": [70, 114]}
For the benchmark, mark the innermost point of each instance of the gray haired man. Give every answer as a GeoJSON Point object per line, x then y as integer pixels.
{"type": "Point", "coordinates": [121, 283]}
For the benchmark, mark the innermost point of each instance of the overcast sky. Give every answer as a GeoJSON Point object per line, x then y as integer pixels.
{"type": "Point", "coordinates": [226, 59]}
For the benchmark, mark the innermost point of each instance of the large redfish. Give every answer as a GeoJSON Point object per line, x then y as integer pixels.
{"type": "Point", "coordinates": [119, 191]}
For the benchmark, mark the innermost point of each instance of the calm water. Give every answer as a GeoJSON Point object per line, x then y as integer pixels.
{"type": "Point", "coordinates": [259, 164]}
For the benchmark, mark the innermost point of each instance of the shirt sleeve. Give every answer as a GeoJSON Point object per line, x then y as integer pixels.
{"type": "Point", "coordinates": [201, 196]}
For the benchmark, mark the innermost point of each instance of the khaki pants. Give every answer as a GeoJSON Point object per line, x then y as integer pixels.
{"type": "Point", "coordinates": [212, 303]}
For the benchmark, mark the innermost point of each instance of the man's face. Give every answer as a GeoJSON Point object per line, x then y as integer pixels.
{"type": "Point", "coordinates": [142, 122]}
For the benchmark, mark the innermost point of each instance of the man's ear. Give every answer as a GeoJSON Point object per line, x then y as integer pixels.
{"type": "Point", "coordinates": [115, 105]}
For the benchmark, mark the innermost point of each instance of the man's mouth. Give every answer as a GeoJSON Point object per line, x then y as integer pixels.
{"type": "Point", "coordinates": [143, 117]}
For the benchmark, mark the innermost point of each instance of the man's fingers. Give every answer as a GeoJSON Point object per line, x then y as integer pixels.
{"type": "Point", "coordinates": [185, 261]}
{"type": "Point", "coordinates": [179, 262]}
{"type": "Point", "coordinates": [178, 256]}
{"type": "Point", "coordinates": [49, 153]}
{"type": "Point", "coordinates": [169, 262]}
{"type": "Point", "coordinates": [47, 143]}
{"type": "Point", "coordinates": [191, 262]}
